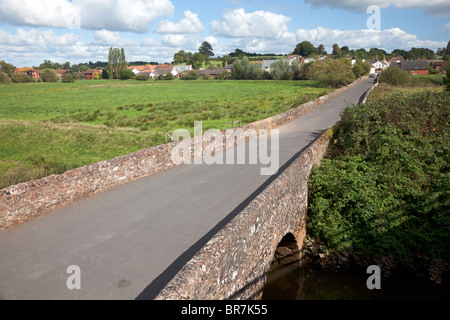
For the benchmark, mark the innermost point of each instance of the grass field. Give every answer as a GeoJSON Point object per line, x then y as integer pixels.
{"type": "Point", "coordinates": [49, 128]}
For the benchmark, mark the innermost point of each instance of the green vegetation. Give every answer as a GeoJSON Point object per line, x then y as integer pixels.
{"type": "Point", "coordinates": [48, 128]}
{"type": "Point", "coordinates": [4, 78]}
{"type": "Point", "coordinates": [395, 76]}
{"type": "Point", "coordinates": [333, 73]}
{"type": "Point", "coordinates": [383, 192]}
{"type": "Point", "coordinates": [49, 75]}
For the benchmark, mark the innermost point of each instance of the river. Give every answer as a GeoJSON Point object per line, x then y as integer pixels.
{"type": "Point", "coordinates": [310, 283]}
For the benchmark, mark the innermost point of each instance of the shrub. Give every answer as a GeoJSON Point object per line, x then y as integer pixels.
{"type": "Point", "coordinates": [385, 191]}
{"type": "Point", "coordinates": [20, 78]}
{"type": "Point", "coordinates": [169, 76]}
{"type": "Point", "coordinates": [68, 78]}
{"type": "Point", "coordinates": [281, 70]}
{"type": "Point", "coordinates": [334, 72]}
{"type": "Point", "coordinates": [192, 75]}
{"type": "Point", "coordinates": [361, 69]}
{"type": "Point", "coordinates": [126, 74]}
{"type": "Point", "coordinates": [142, 77]}
{"type": "Point", "coordinates": [395, 77]}
{"type": "Point", "coordinates": [4, 78]}
{"type": "Point", "coordinates": [49, 75]}
{"type": "Point", "coordinates": [242, 69]}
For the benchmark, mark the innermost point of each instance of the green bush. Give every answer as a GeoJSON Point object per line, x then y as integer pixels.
{"type": "Point", "coordinates": [361, 69]}
{"type": "Point", "coordinates": [4, 78]}
{"type": "Point", "coordinates": [395, 77]}
{"type": "Point", "coordinates": [385, 191]}
{"type": "Point", "coordinates": [68, 78]}
{"type": "Point", "coordinates": [20, 78]}
{"type": "Point", "coordinates": [49, 75]}
{"type": "Point", "coordinates": [333, 72]}
{"type": "Point", "coordinates": [192, 75]}
{"type": "Point", "coordinates": [142, 77]}
{"type": "Point", "coordinates": [126, 74]}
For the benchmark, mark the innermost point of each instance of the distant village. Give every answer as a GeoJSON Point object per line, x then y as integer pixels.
{"type": "Point", "coordinates": [416, 67]}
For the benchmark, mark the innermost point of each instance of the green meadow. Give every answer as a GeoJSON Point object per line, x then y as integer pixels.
{"type": "Point", "coordinates": [49, 128]}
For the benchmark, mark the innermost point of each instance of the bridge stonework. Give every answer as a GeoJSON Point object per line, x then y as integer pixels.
{"type": "Point", "coordinates": [234, 264]}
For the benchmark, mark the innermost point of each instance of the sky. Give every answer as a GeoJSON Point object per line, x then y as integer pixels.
{"type": "Point", "coordinates": [80, 31]}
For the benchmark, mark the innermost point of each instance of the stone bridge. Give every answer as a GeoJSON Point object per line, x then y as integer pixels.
{"type": "Point", "coordinates": [143, 227]}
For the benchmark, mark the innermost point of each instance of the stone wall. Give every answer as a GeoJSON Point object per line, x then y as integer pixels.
{"type": "Point", "coordinates": [28, 200]}
{"type": "Point", "coordinates": [234, 264]}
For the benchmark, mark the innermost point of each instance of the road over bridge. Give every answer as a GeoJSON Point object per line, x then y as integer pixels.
{"type": "Point", "coordinates": [130, 242]}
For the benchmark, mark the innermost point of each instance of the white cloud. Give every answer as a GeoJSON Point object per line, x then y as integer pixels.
{"type": "Point", "coordinates": [259, 24]}
{"type": "Point", "coordinates": [37, 39]}
{"type": "Point", "coordinates": [432, 7]}
{"type": "Point", "coordinates": [173, 40]}
{"type": "Point", "coordinates": [111, 38]}
{"type": "Point", "coordinates": [114, 15]}
{"type": "Point", "coordinates": [50, 13]}
{"type": "Point", "coordinates": [123, 15]}
{"type": "Point", "coordinates": [388, 39]}
{"type": "Point", "coordinates": [189, 24]}
{"type": "Point", "coordinates": [446, 28]}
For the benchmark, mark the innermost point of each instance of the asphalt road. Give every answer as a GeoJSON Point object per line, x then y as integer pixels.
{"type": "Point", "coordinates": [130, 241]}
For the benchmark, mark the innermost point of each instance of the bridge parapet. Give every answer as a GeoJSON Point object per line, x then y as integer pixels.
{"type": "Point", "coordinates": [234, 264]}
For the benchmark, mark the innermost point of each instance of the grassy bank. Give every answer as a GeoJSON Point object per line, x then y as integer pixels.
{"type": "Point", "coordinates": [382, 195]}
{"type": "Point", "coordinates": [48, 128]}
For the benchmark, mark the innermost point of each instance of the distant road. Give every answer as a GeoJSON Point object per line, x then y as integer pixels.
{"type": "Point", "coordinates": [130, 241]}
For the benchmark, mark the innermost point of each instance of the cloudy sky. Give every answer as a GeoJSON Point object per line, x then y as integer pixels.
{"type": "Point", "coordinates": [32, 31]}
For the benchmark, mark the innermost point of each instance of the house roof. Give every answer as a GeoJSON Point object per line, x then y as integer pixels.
{"type": "Point", "coordinates": [414, 65]}
{"type": "Point", "coordinates": [93, 71]}
{"type": "Point", "coordinates": [164, 66]}
{"type": "Point", "coordinates": [24, 69]}
{"type": "Point", "coordinates": [268, 63]}
{"type": "Point", "coordinates": [211, 72]}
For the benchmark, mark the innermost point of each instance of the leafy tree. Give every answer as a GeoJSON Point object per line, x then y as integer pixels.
{"type": "Point", "coordinates": [335, 73]}
{"type": "Point", "coordinates": [305, 49]}
{"type": "Point", "coordinates": [4, 78]}
{"type": "Point", "coordinates": [321, 50]}
{"type": "Point", "coordinates": [105, 74]}
{"type": "Point", "coordinates": [47, 64]}
{"type": "Point", "coordinates": [361, 69]}
{"type": "Point", "coordinates": [7, 68]}
{"type": "Point", "coordinates": [116, 62]}
{"type": "Point", "coordinates": [49, 75]}
{"type": "Point", "coordinates": [180, 57]}
{"type": "Point", "coordinates": [20, 78]}
{"type": "Point", "coordinates": [337, 52]}
{"type": "Point", "coordinates": [227, 59]}
{"type": "Point", "coordinates": [242, 69]}
{"type": "Point", "coordinates": [206, 50]}
{"type": "Point", "coordinates": [296, 68]}
{"type": "Point", "coordinates": [197, 61]}
{"type": "Point", "coordinates": [281, 70]}
{"type": "Point", "coordinates": [126, 74]}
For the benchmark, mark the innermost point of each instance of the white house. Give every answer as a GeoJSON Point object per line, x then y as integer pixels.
{"type": "Point", "coordinates": [378, 66]}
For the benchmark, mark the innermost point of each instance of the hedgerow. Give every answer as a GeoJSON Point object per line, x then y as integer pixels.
{"type": "Point", "coordinates": [384, 190]}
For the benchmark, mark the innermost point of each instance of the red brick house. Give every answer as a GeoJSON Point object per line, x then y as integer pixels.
{"type": "Point", "coordinates": [416, 67]}
{"type": "Point", "coordinates": [90, 74]}
{"type": "Point", "coordinates": [31, 72]}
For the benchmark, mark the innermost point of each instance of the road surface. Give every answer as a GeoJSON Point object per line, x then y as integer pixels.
{"type": "Point", "coordinates": [130, 241]}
